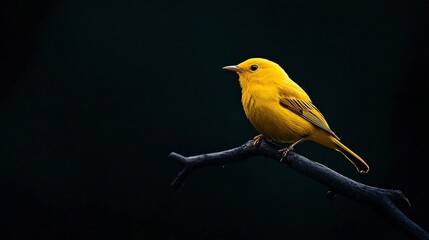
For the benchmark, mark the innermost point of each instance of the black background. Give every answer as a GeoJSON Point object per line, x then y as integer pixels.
{"type": "Point", "coordinates": [94, 95]}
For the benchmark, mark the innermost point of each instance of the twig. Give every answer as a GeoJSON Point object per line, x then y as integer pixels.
{"type": "Point", "coordinates": [384, 200]}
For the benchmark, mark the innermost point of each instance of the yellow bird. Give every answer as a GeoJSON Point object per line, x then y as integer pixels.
{"type": "Point", "coordinates": [281, 110]}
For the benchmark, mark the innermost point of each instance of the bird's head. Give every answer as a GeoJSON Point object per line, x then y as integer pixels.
{"type": "Point", "coordinates": [257, 71]}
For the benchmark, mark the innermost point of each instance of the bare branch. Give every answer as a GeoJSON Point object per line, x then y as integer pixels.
{"type": "Point", "coordinates": [385, 201]}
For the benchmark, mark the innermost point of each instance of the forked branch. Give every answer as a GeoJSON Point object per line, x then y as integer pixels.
{"type": "Point", "coordinates": [384, 200]}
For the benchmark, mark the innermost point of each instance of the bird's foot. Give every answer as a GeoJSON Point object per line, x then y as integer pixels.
{"type": "Point", "coordinates": [257, 140]}
{"type": "Point", "coordinates": [284, 152]}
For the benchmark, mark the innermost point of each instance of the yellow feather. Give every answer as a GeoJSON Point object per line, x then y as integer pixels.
{"type": "Point", "coordinates": [281, 110]}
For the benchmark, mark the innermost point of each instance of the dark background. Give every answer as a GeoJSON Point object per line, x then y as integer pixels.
{"type": "Point", "coordinates": [94, 95]}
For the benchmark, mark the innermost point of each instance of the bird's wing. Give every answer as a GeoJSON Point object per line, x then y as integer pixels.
{"type": "Point", "coordinates": [308, 111]}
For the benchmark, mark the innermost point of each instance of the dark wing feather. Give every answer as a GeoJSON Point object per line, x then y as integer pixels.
{"type": "Point", "coordinates": [308, 111]}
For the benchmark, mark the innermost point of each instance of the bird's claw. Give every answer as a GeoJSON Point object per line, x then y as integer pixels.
{"type": "Point", "coordinates": [257, 140]}
{"type": "Point", "coordinates": [284, 152]}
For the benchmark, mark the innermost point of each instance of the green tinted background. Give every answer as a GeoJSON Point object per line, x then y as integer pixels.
{"type": "Point", "coordinates": [96, 94]}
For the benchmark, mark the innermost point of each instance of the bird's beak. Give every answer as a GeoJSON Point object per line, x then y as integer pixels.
{"type": "Point", "coordinates": [234, 68]}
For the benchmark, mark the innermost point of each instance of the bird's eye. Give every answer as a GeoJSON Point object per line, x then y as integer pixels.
{"type": "Point", "coordinates": [253, 67]}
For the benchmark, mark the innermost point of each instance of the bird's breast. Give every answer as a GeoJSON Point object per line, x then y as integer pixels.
{"type": "Point", "coordinates": [269, 118]}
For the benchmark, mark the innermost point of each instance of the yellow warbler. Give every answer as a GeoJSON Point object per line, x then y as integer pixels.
{"type": "Point", "coordinates": [281, 110]}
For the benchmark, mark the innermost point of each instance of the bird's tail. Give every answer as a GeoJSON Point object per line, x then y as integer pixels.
{"type": "Point", "coordinates": [357, 161]}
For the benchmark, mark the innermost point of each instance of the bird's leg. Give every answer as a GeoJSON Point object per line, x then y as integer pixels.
{"type": "Point", "coordinates": [257, 140]}
{"type": "Point", "coordinates": [285, 151]}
